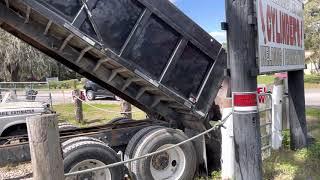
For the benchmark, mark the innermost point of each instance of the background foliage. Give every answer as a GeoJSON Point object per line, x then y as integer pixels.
{"type": "Point", "coordinates": [312, 31]}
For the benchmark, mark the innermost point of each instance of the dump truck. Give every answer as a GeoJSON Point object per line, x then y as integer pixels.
{"type": "Point", "coordinates": [148, 53]}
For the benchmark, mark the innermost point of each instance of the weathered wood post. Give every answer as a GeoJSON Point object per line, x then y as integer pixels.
{"type": "Point", "coordinates": [126, 109]}
{"type": "Point", "coordinates": [242, 54]}
{"type": "Point", "coordinates": [77, 103]}
{"type": "Point", "coordinates": [45, 150]}
{"type": "Point", "coordinates": [297, 112]}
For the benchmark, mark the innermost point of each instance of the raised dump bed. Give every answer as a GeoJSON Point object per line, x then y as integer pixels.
{"type": "Point", "coordinates": [145, 51]}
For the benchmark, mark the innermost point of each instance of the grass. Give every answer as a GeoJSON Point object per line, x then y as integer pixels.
{"type": "Point", "coordinates": [301, 164]}
{"type": "Point", "coordinates": [310, 81]}
{"type": "Point", "coordinates": [93, 116]}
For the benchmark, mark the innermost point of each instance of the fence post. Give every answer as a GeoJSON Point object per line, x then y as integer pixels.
{"type": "Point", "coordinates": [126, 109]}
{"type": "Point", "coordinates": [297, 110]}
{"type": "Point", "coordinates": [45, 149]}
{"type": "Point", "coordinates": [227, 143]}
{"type": "Point", "coordinates": [277, 101]}
{"type": "Point", "coordinates": [78, 105]}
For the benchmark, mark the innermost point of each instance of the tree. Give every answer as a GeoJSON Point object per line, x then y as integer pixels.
{"type": "Point", "coordinates": [312, 30]}
{"type": "Point", "coordinates": [21, 62]}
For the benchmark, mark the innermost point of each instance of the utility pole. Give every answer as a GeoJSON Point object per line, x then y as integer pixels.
{"type": "Point", "coordinates": [242, 53]}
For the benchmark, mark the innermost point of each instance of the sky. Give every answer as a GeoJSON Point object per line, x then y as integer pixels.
{"type": "Point", "coordinates": [208, 14]}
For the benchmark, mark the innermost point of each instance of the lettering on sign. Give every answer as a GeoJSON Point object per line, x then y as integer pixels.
{"type": "Point", "coordinates": [280, 35]}
{"type": "Point", "coordinates": [19, 112]}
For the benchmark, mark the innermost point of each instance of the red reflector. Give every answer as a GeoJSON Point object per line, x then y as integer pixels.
{"type": "Point", "coordinates": [244, 100]}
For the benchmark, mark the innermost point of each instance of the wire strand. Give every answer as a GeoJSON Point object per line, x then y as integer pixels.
{"type": "Point", "coordinates": [216, 126]}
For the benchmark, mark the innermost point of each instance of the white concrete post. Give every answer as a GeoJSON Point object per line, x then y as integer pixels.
{"type": "Point", "coordinates": [227, 145]}
{"type": "Point", "coordinates": [277, 100]}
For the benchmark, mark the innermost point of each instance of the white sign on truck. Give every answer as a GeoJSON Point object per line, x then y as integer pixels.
{"type": "Point", "coordinates": [280, 35]}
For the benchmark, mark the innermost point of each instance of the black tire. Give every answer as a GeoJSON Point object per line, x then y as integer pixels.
{"type": "Point", "coordinates": [120, 120]}
{"type": "Point", "coordinates": [135, 140]}
{"type": "Point", "coordinates": [71, 141]}
{"type": "Point", "coordinates": [64, 126]}
{"type": "Point", "coordinates": [90, 150]}
{"type": "Point", "coordinates": [155, 139]}
{"type": "Point", "coordinates": [91, 95]}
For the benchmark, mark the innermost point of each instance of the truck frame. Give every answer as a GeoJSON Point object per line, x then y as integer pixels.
{"type": "Point", "coordinates": [147, 52]}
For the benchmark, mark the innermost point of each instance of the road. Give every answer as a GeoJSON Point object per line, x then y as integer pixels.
{"type": "Point", "coordinates": [61, 97]}
{"type": "Point", "coordinates": [312, 97]}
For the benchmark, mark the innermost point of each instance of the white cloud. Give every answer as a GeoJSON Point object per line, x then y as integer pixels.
{"type": "Point", "coordinates": [219, 36]}
{"type": "Point", "coordinates": [173, 1]}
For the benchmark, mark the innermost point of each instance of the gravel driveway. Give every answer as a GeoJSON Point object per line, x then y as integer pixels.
{"type": "Point", "coordinates": [21, 171]}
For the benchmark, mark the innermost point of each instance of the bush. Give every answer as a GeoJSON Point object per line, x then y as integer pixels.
{"type": "Point", "coordinates": [314, 151]}
{"type": "Point", "coordinates": [286, 139]}
{"type": "Point", "coordinates": [68, 84]}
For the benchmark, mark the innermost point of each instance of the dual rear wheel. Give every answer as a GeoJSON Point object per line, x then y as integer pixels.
{"type": "Point", "coordinates": [175, 164]}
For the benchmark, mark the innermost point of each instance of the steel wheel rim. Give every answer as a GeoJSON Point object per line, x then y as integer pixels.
{"type": "Point", "coordinates": [103, 174]}
{"type": "Point", "coordinates": [172, 168]}
{"type": "Point", "coordinates": [90, 95]}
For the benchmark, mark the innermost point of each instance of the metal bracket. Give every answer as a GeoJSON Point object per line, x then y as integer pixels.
{"type": "Point", "coordinates": [7, 3]}
{"type": "Point", "coordinates": [252, 20]}
{"type": "Point", "coordinates": [94, 25]}
{"type": "Point", "coordinates": [83, 52]}
{"type": "Point", "coordinates": [65, 42]}
{"type": "Point", "coordinates": [47, 27]}
{"type": "Point", "coordinates": [224, 26]}
{"type": "Point", "coordinates": [27, 15]}
{"type": "Point", "coordinates": [99, 63]}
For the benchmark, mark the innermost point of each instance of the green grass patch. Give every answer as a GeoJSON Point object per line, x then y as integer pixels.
{"type": "Point", "coordinates": [265, 79]}
{"type": "Point", "coordinates": [310, 81]}
{"type": "Point", "coordinates": [301, 164]}
{"type": "Point", "coordinates": [287, 164]}
{"type": "Point", "coordinates": [94, 116]}
{"type": "Point", "coordinates": [313, 112]}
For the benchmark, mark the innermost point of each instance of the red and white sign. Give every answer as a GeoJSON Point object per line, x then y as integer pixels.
{"type": "Point", "coordinates": [281, 35]}
{"type": "Point", "coordinates": [262, 89]}
{"type": "Point", "coordinates": [245, 102]}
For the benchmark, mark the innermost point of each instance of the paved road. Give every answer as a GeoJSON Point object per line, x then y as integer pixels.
{"type": "Point", "coordinates": [59, 97]}
{"type": "Point", "coordinates": [312, 97]}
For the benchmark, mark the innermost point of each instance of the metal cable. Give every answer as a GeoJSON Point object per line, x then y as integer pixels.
{"type": "Point", "coordinates": [216, 126]}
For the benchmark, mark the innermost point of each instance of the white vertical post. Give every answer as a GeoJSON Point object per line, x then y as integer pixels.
{"type": "Point", "coordinates": [227, 144]}
{"type": "Point", "coordinates": [277, 100]}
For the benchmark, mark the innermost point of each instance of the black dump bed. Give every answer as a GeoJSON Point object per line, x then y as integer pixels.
{"type": "Point", "coordinates": [145, 51]}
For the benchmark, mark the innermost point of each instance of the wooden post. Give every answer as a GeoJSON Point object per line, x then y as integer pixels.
{"type": "Point", "coordinates": [297, 113]}
{"type": "Point", "coordinates": [78, 106]}
{"type": "Point", "coordinates": [45, 150]}
{"type": "Point", "coordinates": [242, 53]}
{"type": "Point", "coordinates": [126, 109]}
